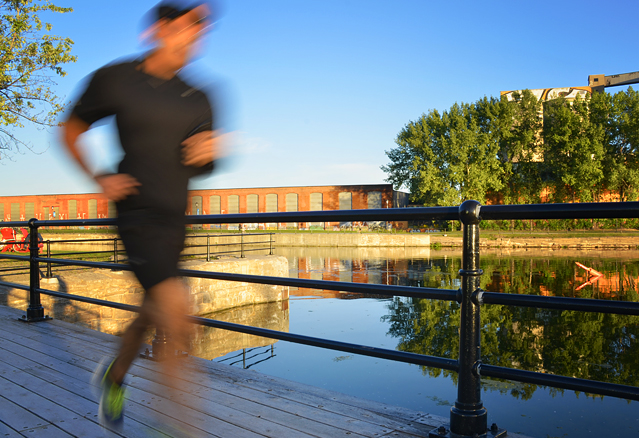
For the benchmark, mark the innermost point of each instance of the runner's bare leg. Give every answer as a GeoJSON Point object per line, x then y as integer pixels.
{"type": "Point", "coordinates": [166, 308]}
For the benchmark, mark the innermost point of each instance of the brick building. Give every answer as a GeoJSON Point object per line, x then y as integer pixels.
{"type": "Point", "coordinates": [213, 201]}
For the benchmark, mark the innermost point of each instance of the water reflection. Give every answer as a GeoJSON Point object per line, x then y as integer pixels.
{"type": "Point", "coordinates": [586, 345]}
{"type": "Point", "coordinates": [394, 266]}
{"type": "Point", "coordinates": [211, 343]}
{"type": "Point", "coordinates": [578, 344]}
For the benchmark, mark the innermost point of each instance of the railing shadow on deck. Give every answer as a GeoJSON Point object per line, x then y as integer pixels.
{"type": "Point", "coordinates": [468, 416]}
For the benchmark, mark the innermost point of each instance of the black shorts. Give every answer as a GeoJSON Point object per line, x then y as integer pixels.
{"type": "Point", "coordinates": [153, 243]}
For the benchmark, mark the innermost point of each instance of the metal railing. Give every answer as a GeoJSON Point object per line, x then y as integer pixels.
{"type": "Point", "coordinates": [468, 417]}
{"type": "Point", "coordinates": [244, 243]}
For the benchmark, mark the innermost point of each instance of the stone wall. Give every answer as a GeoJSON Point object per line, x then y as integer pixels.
{"type": "Point", "coordinates": [229, 242]}
{"type": "Point", "coordinates": [121, 286]}
{"type": "Point", "coordinates": [371, 240]}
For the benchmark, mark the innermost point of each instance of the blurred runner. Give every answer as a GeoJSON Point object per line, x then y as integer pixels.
{"type": "Point", "coordinates": [166, 129]}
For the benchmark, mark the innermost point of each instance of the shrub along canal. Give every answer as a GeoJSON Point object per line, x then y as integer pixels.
{"type": "Point", "coordinates": [585, 345]}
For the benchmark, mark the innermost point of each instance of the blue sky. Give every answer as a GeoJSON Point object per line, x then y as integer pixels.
{"type": "Point", "coordinates": [316, 91]}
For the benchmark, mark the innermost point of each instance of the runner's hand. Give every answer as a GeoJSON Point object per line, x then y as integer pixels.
{"type": "Point", "coordinates": [202, 148]}
{"type": "Point", "coordinates": [118, 186]}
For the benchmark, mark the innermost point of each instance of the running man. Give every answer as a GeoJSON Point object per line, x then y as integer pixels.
{"type": "Point", "coordinates": [166, 132]}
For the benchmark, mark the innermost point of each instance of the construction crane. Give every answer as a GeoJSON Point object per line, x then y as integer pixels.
{"type": "Point", "coordinates": [599, 82]}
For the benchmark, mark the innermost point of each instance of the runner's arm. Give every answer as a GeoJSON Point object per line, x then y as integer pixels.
{"type": "Point", "coordinates": [114, 186]}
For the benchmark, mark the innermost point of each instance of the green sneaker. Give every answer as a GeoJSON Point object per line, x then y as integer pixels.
{"type": "Point", "coordinates": [111, 410]}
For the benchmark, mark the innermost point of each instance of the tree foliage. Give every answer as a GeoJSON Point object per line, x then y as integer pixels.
{"type": "Point", "coordinates": [585, 345]}
{"type": "Point", "coordinates": [506, 149]}
{"type": "Point", "coordinates": [29, 57]}
{"type": "Point", "coordinates": [447, 158]}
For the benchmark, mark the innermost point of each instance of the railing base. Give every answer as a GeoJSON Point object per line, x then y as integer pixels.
{"type": "Point", "coordinates": [25, 318]}
{"type": "Point", "coordinates": [159, 358]}
{"type": "Point", "coordinates": [444, 432]}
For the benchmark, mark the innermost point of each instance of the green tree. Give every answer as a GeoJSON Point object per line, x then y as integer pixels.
{"type": "Point", "coordinates": [448, 158]}
{"type": "Point", "coordinates": [521, 148]}
{"type": "Point", "coordinates": [619, 114]}
{"type": "Point", "coordinates": [29, 56]}
{"type": "Point", "coordinates": [573, 150]}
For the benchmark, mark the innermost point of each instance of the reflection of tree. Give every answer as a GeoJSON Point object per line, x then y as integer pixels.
{"type": "Point", "coordinates": [578, 344]}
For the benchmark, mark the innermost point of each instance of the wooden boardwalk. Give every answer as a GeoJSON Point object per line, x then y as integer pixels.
{"type": "Point", "coordinates": [45, 372]}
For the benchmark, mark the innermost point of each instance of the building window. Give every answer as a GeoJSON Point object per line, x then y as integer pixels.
{"type": "Point", "coordinates": [234, 204]}
{"type": "Point", "coordinates": [72, 207]}
{"type": "Point", "coordinates": [29, 210]}
{"type": "Point", "coordinates": [291, 202]}
{"type": "Point", "coordinates": [345, 201]}
{"type": "Point", "coordinates": [374, 199]}
{"type": "Point", "coordinates": [93, 209]}
{"type": "Point", "coordinates": [112, 210]}
{"type": "Point", "coordinates": [215, 204]}
{"type": "Point", "coordinates": [15, 211]}
{"type": "Point", "coordinates": [252, 203]}
{"type": "Point", "coordinates": [1, 212]}
{"type": "Point", "coordinates": [317, 203]}
{"type": "Point", "coordinates": [271, 202]}
{"type": "Point", "coordinates": [271, 207]}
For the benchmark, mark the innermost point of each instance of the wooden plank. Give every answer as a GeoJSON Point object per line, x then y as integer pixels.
{"type": "Point", "coordinates": [368, 428]}
{"type": "Point", "coordinates": [7, 432]}
{"type": "Point", "coordinates": [265, 420]}
{"type": "Point", "coordinates": [231, 396]}
{"type": "Point", "coordinates": [50, 412]}
{"type": "Point", "coordinates": [49, 431]}
{"type": "Point", "coordinates": [138, 417]}
{"type": "Point", "coordinates": [57, 359]}
{"type": "Point", "coordinates": [214, 411]}
{"type": "Point", "coordinates": [150, 424]}
{"type": "Point", "coordinates": [16, 417]}
{"type": "Point", "coordinates": [355, 426]}
{"type": "Point", "coordinates": [79, 403]}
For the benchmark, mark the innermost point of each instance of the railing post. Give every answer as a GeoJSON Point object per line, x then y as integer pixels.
{"type": "Point", "coordinates": [49, 273]}
{"type": "Point", "coordinates": [115, 250]}
{"type": "Point", "coordinates": [208, 248]}
{"type": "Point", "coordinates": [468, 417]}
{"type": "Point", "coordinates": [158, 345]}
{"type": "Point", "coordinates": [270, 241]}
{"type": "Point", "coordinates": [35, 311]}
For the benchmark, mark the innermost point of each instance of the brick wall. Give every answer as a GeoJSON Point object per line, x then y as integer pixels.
{"type": "Point", "coordinates": [45, 207]}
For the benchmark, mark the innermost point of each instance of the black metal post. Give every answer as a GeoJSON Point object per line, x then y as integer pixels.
{"type": "Point", "coordinates": [270, 241]}
{"type": "Point", "coordinates": [115, 250]}
{"type": "Point", "coordinates": [468, 417]}
{"type": "Point", "coordinates": [49, 273]}
{"type": "Point", "coordinates": [158, 345]}
{"type": "Point", "coordinates": [35, 311]}
{"type": "Point", "coordinates": [208, 248]}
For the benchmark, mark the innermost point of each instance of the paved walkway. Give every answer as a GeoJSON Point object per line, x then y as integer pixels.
{"type": "Point", "coordinates": [46, 367]}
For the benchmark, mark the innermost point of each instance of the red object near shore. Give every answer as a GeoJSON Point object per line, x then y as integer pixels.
{"type": "Point", "coordinates": [593, 275]}
{"type": "Point", "coordinates": [16, 240]}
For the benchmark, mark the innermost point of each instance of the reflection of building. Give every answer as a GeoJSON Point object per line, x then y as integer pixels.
{"type": "Point", "coordinates": [347, 270]}
{"type": "Point", "coordinates": [214, 201]}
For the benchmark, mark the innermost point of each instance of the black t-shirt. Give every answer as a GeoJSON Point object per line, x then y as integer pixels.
{"type": "Point", "coordinates": [153, 117]}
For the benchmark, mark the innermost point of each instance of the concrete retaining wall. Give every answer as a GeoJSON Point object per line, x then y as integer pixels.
{"type": "Point", "coordinates": [121, 286]}
{"type": "Point", "coordinates": [352, 240]}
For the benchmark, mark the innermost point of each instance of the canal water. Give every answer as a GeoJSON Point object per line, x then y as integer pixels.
{"type": "Point", "coordinates": [586, 345]}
